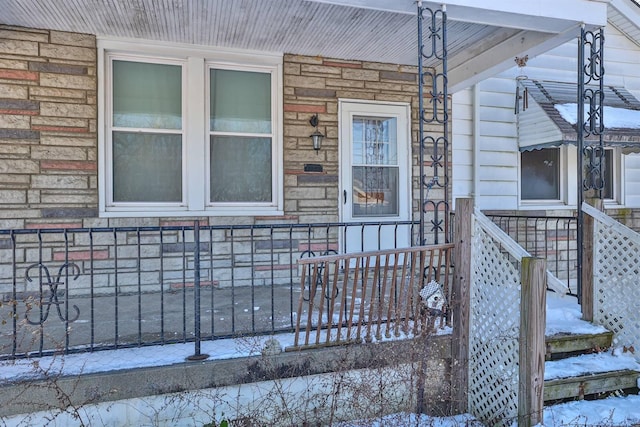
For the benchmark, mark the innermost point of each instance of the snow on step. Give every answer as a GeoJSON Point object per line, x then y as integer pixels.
{"type": "Point", "coordinates": [564, 315]}
{"type": "Point", "coordinates": [590, 364]}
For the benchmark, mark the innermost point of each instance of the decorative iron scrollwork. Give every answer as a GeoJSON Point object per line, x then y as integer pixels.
{"type": "Point", "coordinates": [67, 270]}
{"type": "Point", "coordinates": [434, 147]}
{"type": "Point", "coordinates": [589, 123]}
{"type": "Point", "coordinates": [312, 287]}
{"type": "Point", "coordinates": [591, 99]}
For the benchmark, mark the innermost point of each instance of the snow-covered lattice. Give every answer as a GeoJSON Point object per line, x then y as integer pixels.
{"type": "Point", "coordinates": [616, 279]}
{"type": "Point", "coordinates": [494, 330]}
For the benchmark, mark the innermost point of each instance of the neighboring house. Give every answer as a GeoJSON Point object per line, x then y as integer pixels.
{"type": "Point", "coordinates": [527, 161]}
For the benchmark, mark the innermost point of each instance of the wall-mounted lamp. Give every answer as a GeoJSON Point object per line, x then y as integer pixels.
{"type": "Point", "coordinates": [316, 137]}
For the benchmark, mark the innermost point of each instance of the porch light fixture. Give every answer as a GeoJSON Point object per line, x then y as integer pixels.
{"type": "Point", "coordinates": [316, 137]}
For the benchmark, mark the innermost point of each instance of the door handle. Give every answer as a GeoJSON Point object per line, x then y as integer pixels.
{"type": "Point", "coordinates": [344, 196]}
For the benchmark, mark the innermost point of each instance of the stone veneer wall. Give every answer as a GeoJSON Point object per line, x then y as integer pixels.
{"type": "Point", "coordinates": [313, 85]}
{"type": "Point", "coordinates": [48, 154]}
{"type": "Point", "coordinates": [48, 122]}
{"type": "Point", "coordinates": [48, 148]}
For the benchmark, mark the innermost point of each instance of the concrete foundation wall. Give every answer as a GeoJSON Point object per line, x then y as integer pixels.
{"type": "Point", "coordinates": [312, 387]}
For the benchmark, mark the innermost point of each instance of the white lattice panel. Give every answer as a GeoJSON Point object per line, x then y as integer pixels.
{"type": "Point", "coordinates": [617, 283]}
{"type": "Point", "coordinates": [494, 334]}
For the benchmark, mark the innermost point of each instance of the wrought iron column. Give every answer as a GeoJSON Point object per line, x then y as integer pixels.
{"type": "Point", "coordinates": [590, 95]}
{"type": "Point", "coordinates": [436, 137]}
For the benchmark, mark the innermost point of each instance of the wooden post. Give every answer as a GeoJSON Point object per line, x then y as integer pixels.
{"type": "Point", "coordinates": [460, 304]}
{"type": "Point", "coordinates": [587, 261]}
{"type": "Point", "coordinates": [532, 347]}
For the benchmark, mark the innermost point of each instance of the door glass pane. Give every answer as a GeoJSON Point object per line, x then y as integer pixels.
{"type": "Point", "coordinates": [374, 141]}
{"type": "Point", "coordinates": [240, 169]}
{"type": "Point", "coordinates": [540, 174]}
{"type": "Point", "coordinates": [375, 191]}
{"type": "Point", "coordinates": [374, 169]}
{"type": "Point", "coordinates": [240, 101]}
{"type": "Point", "coordinates": [147, 167]}
{"type": "Point", "coordinates": [147, 95]}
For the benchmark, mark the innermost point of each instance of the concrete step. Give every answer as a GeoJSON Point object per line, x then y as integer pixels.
{"type": "Point", "coordinates": [564, 345]}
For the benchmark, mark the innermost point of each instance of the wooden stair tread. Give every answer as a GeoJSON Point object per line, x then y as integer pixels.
{"type": "Point", "coordinates": [588, 384]}
{"type": "Point", "coordinates": [560, 345]}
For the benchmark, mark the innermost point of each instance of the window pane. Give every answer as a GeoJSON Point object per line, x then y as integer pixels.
{"type": "Point", "coordinates": [607, 191]}
{"type": "Point", "coordinates": [540, 178]}
{"type": "Point", "coordinates": [240, 169]}
{"type": "Point", "coordinates": [375, 191]}
{"type": "Point", "coordinates": [147, 167]}
{"type": "Point", "coordinates": [240, 101]}
{"type": "Point", "coordinates": [147, 95]}
{"type": "Point", "coordinates": [374, 141]}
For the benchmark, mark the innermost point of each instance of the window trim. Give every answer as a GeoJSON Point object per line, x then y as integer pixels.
{"type": "Point", "coordinates": [196, 61]}
{"type": "Point", "coordinates": [617, 190]}
{"type": "Point", "coordinates": [568, 181]}
{"type": "Point", "coordinates": [273, 135]}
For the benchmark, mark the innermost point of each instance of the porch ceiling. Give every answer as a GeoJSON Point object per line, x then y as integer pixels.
{"type": "Point", "coordinates": [482, 39]}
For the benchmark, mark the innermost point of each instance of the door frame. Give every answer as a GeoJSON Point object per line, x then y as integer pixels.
{"type": "Point", "coordinates": [405, 156]}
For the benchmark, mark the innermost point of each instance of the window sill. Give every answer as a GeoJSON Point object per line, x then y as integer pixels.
{"type": "Point", "coordinates": [524, 206]}
{"type": "Point", "coordinates": [244, 212]}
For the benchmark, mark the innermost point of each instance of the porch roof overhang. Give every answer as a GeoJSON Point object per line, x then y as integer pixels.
{"type": "Point", "coordinates": [483, 37]}
{"type": "Point", "coordinates": [625, 16]}
{"type": "Point", "coordinates": [550, 120]}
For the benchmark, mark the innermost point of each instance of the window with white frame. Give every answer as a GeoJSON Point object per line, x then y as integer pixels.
{"type": "Point", "coordinates": [540, 175]}
{"type": "Point", "coordinates": [190, 132]}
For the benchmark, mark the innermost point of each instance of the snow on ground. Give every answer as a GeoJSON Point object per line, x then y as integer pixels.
{"type": "Point", "coordinates": [414, 420]}
{"type": "Point", "coordinates": [563, 315]}
{"type": "Point", "coordinates": [611, 412]}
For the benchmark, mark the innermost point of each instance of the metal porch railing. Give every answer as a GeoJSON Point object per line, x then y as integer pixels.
{"type": "Point", "coordinates": [87, 289]}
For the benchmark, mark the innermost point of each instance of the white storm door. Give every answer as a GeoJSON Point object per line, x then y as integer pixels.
{"type": "Point", "coordinates": [375, 169]}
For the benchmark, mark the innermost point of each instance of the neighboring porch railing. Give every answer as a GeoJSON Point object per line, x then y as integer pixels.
{"type": "Point", "coordinates": [88, 289]}
{"type": "Point", "coordinates": [553, 238]}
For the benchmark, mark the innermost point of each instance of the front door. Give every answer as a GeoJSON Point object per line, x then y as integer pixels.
{"type": "Point", "coordinates": [375, 174]}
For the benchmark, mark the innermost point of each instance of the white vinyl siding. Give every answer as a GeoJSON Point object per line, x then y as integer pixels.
{"type": "Point", "coordinates": [632, 180]}
{"type": "Point", "coordinates": [534, 126]}
{"type": "Point", "coordinates": [498, 159]}
{"type": "Point", "coordinates": [462, 146]}
{"type": "Point", "coordinates": [498, 156]}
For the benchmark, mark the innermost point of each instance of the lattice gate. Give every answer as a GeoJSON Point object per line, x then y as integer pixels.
{"type": "Point", "coordinates": [494, 329]}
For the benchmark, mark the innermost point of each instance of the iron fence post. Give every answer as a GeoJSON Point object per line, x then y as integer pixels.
{"type": "Point", "coordinates": [198, 355]}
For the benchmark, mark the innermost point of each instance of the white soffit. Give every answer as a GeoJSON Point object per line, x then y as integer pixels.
{"type": "Point", "coordinates": [625, 16]}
